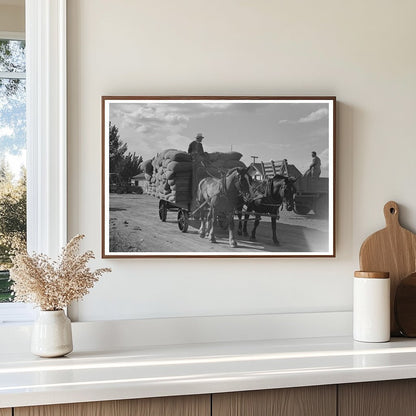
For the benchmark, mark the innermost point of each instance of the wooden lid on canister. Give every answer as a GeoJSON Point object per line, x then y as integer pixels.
{"type": "Point", "coordinates": [372, 275]}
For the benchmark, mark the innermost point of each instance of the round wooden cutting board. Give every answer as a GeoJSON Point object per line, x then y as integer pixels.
{"type": "Point", "coordinates": [392, 250]}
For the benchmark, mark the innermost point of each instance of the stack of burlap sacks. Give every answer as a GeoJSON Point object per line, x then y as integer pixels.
{"type": "Point", "coordinates": [169, 173]}
{"type": "Point", "coordinates": [218, 163]}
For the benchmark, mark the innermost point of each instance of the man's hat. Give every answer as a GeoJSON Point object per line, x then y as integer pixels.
{"type": "Point", "coordinates": [199, 136]}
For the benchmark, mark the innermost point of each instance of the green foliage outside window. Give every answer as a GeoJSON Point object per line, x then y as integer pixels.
{"type": "Point", "coordinates": [12, 224]}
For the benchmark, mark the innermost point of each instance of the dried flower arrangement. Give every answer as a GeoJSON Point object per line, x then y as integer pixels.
{"type": "Point", "coordinates": [52, 285]}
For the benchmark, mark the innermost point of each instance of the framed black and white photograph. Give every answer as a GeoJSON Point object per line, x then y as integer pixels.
{"type": "Point", "coordinates": [218, 176]}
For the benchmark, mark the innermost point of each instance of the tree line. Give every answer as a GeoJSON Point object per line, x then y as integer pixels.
{"type": "Point", "coordinates": [12, 213]}
{"type": "Point", "coordinates": [125, 164]}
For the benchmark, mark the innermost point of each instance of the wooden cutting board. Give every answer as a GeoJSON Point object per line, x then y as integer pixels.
{"type": "Point", "coordinates": [393, 250]}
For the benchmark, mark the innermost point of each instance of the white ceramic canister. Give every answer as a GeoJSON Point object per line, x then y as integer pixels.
{"type": "Point", "coordinates": [52, 334]}
{"type": "Point", "coordinates": [371, 309]}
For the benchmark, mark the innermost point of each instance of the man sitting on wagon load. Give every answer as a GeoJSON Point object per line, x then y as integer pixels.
{"type": "Point", "coordinates": [195, 147]}
{"type": "Point", "coordinates": [314, 170]}
{"type": "Point", "coordinates": [196, 150]}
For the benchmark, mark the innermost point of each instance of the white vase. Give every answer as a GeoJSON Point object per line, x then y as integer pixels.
{"type": "Point", "coordinates": [52, 334]}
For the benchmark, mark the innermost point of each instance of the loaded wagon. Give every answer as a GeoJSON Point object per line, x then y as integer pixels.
{"type": "Point", "coordinates": [173, 177]}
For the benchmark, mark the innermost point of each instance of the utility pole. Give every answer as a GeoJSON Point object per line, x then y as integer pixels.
{"type": "Point", "coordinates": [254, 158]}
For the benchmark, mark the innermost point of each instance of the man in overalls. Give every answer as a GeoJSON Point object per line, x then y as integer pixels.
{"type": "Point", "coordinates": [314, 170]}
{"type": "Point", "coordinates": [195, 147]}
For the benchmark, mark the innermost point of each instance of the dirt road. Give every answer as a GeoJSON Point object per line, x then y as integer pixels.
{"type": "Point", "coordinates": [135, 227]}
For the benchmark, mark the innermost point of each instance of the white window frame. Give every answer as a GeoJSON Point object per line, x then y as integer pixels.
{"type": "Point", "coordinates": [46, 125]}
{"type": "Point", "coordinates": [46, 134]}
{"type": "Point", "coordinates": [12, 35]}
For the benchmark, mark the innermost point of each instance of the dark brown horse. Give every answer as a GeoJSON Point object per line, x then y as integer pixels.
{"type": "Point", "coordinates": [267, 197]}
{"type": "Point", "coordinates": [220, 197]}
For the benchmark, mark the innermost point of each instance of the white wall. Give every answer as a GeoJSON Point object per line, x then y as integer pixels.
{"type": "Point", "coordinates": [12, 17]}
{"type": "Point", "coordinates": [361, 51]}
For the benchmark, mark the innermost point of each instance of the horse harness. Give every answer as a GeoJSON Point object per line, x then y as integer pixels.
{"type": "Point", "coordinates": [223, 184]}
{"type": "Point", "coordinates": [267, 186]}
{"type": "Point", "coordinates": [223, 187]}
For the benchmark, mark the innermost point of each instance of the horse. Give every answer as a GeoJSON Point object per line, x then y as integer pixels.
{"type": "Point", "coordinates": [220, 196]}
{"type": "Point", "coordinates": [267, 197]}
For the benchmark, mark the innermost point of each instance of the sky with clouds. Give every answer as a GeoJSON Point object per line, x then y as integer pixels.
{"type": "Point", "coordinates": [13, 109]}
{"type": "Point", "coordinates": [13, 136]}
{"type": "Point", "coordinates": [275, 130]}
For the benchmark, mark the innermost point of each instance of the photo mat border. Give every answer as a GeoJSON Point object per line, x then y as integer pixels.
{"type": "Point", "coordinates": [104, 185]}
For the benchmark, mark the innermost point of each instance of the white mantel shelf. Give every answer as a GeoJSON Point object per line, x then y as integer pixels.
{"type": "Point", "coordinates": [148, 371]}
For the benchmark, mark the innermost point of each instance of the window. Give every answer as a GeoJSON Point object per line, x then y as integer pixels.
{"type": "Point", "coordinates": [12, 155]}
{"type": "Point", "coordinates": [12, 166]}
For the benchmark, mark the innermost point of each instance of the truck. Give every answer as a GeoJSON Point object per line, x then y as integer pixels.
{"type": "Point", "coordinates": [311, 193]}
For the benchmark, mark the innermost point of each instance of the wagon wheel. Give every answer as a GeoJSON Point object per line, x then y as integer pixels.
{"type": "Point", "coordinates": [183, 220]}
{"type": "Point", "coordinates": [163, 210]}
